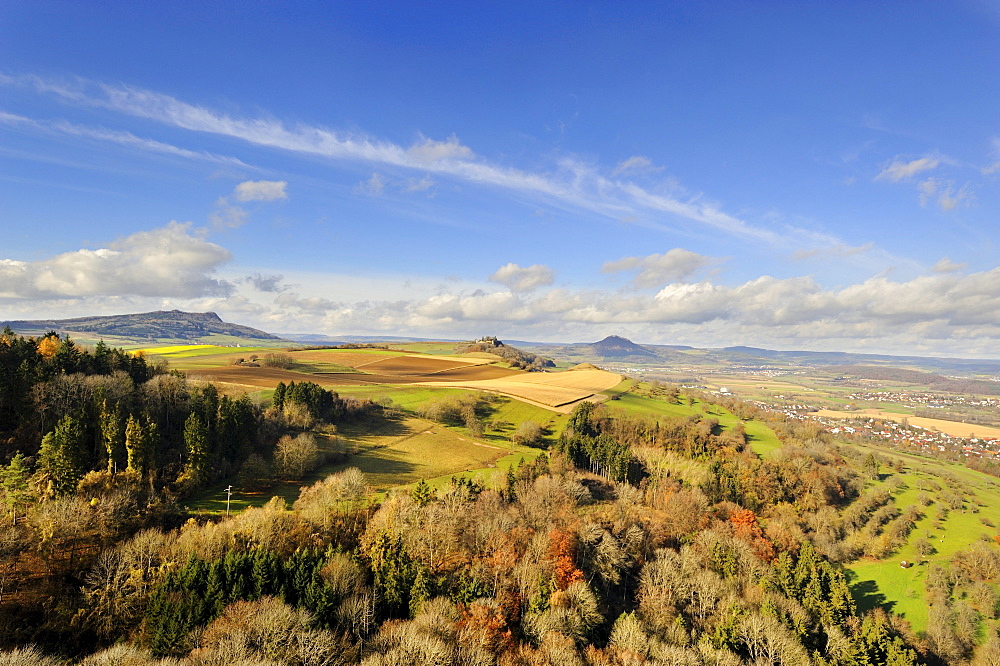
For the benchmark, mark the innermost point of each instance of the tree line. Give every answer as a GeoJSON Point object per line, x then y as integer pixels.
{"type": "Point", "coordinates": [636, 539]}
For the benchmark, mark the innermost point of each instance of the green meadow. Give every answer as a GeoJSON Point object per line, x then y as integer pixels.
{"type": "Point", "coordinates": [963, 501]}
{"type": "Point", "coordinates": [398, 452]}
{"type": "Point", "coordinates": [642, 400]}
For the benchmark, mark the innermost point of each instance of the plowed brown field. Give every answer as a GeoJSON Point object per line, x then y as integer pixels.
{"type": "Point", "coordinates": [479, 372]}
{"type": "Point", "coordinates": [403, 369]}
{"type": "Point", "coordinates": [558, 391]}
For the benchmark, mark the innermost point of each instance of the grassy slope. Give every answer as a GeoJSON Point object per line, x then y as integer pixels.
{"type": "Point", "coordinates": [397, 453]}
{"type": "Point", "coordinates": [884, 582]}
{"type": "Point", "coordinates": [198, 357]}
{"type": "Point", "coordinates": [762, 439]}
{"type": "Point", "coordinates": [435, 348]}
{"type": "Point", "coordinates": [389, 460]}
{"type": "Point", "coordinates": [179, 352]}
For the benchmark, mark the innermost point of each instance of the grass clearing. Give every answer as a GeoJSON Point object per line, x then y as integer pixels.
{"type": "Point", "coordinates": [416, 449]}
{"type": "Point", "coordinates": [397, 453]}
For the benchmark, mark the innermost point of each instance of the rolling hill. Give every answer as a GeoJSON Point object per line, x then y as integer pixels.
{"type": "Point", "coordinates": [615, 346]}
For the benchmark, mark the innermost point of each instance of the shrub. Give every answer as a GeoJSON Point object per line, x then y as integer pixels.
{"type": "Point", "coordinates": [297, 456]}
{"type": "Point", "coordinates": [275, 360]}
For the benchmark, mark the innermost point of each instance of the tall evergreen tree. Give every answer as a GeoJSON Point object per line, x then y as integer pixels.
{"type": "Point", "coordinates": [14, 482]}
{"type": "Point", "coordinates": [196, 446]}
{"type": "Point", "coordinates": [138, 445]}
{"type": "Point", "coordinates": [113, 436]}
{"type": "Point", "coordinates": [61, 457]}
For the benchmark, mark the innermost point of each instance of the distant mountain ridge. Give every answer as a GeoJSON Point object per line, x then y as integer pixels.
{"type": "Point", "coordinates": [169, 324]}
{"type": "Point", "coordinates": [621, 350]}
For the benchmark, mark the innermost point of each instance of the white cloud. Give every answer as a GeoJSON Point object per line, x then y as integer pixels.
{"type": "Point", "coordinates": [227, 216]}
{"type": "Point", "coordinates": [765, 311]}
{"type": "Point", "coordinates": [656, 270]}
{"type": "Point", "coordinates": [266, 283]}
{"type": "Point", "coordinates": [634, 164]}
{"type": "Point", "coordinates": [993, 168]}
{"type": "Point", "coordinates": [419, 185]}
{"type": "Point", "coordinates": [308, 303]}
{"type": "Point", "coordinates": [524, 279]}
{"type": "Point", "coordinates": [951, 197]}
{"type": "Point", "coordinates": [165, 262]}
{"type": "Point", "coordinates": [429, 150]}
{"type": "Point", "coordinates": [946, 265]}
{"type": "Point", "coordinates": [838, 250]}
{"type": "Point", "coordinates": [230, 216]}
{"type": "Point", "coordinates": [900, 170]}
{"type": "Point", "coordinates": [374, 186]}
{"type": "Point", "coordinates": [948, 197]}
{"type": "Point", "coordinates": [121, 138]}
{"type": "Point", "coordinates": [927, 189]}
{"type": "Point", "coordinates": [261, 190]}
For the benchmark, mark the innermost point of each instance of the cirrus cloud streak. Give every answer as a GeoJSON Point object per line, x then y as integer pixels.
{"type": "Point", "coordinates": [572, 182]}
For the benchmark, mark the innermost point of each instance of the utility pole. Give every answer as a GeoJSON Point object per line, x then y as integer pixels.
{"type": "Point", "coordinates": [229, 496]}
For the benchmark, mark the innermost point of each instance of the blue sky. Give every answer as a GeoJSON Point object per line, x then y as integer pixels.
{"type": "Point", "coordinates": [794, 175]}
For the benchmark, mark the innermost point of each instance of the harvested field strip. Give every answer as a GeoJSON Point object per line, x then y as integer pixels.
{"type": "Point", "coordinates": [953, 428]}
{"type": "Point", "coordinates": [351, 358]}
{"type": "Point", "coordinates": [479, 372]}
{"type": "Point", "coordinates": [417, 365]}
{"type": "Point", "coordinates": [269, 377]}
{"type": "Point", "coordinates": [552, 389]}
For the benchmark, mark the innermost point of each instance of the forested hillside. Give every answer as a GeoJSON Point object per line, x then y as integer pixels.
{"type": "Point", "coordinates": [639, 537]}
{"type": "Point", "coordinates": [159, 325]}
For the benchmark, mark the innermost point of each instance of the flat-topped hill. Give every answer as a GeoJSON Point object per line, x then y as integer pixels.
{"type": "Point", "coordinates": [159, 325]}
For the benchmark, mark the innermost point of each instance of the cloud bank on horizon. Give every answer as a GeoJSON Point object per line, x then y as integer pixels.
{"type": "Point", "coordinates": [562, 224]}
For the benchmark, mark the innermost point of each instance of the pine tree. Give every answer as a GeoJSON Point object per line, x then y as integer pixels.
{"type": "Point", "coordinates": [510, 491]}
{"type": "Point", "coordinates": [14, 482]}
{"type": "Point", "coordinates": [196, 444]}
{"type": "Point", "coordinates": [102, 359]}
{"type": "Point", "coordinates": [421, 591]}
{"type": "Point", "coordinates": [61, 456]}
{"type": "Point", "coordinates": [135, 442]}
{"type": "Point", "coordinates": [113, 435]}
{"type": "Point", "coordinates": [278, 400]}
{"type": "Point", "coordinates": [422, 493]}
